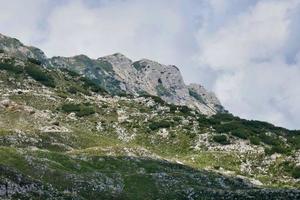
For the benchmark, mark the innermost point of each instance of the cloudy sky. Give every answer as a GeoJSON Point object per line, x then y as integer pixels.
{"type": "Point", "coordinates": [246, 51]}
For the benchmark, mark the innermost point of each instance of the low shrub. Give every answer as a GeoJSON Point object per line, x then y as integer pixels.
{"type": "Point", "coordinates": [11, 68]}
{"type": "Point", "coordinates": [70, 107]}
{"type": "Point", "coordinates": [269, 139]}
{"type": "Point", "coordinates": [137, 66]}
{"type": "Point", "coordinates": [295, 141]}
{"type": "Point", "coordinates": [85, 111]}
{"type": "Point", "coordinates": [277, 149]}
{"type": "Point", "coordinates": [221, 139]}
{"type": "Point", "coordinates": [40, 75]}
{"type": "Point", "coordinates": [34, 61]}
{"type": "Point", "coordinates": [155, 98]}
{"type": "Point", "coordinates": [70, 72]}
{"type": "Point", "coordinates": [196, 96]}
{"type": "Point", "coordinates": [90, 84]}
{"type": "Point", "coordinates": [185, 109]}
{"type": "Point", "coordinates": [296, 172]}
{"type": "Point", "coordinates": [72, 90]}
{"type": "Point", "coordinates": [254, 140]}
{"type": "Point", "coordinates": [240, 133]}
{"type": "Point", "coordinates": [81, 110]}
{"type": "Point", "coordinates": [160, 124]}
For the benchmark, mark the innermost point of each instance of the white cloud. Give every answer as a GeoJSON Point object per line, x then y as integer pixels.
{"type": "Point", "coordinates": [135, 28]}
{"type": "Point", "coordinates": [246, 51]}
{"type": "Point", "coordinates": [256, 35]}
{"type": "Point", "coordinates": [22, 20]}
{"type": "Point", "coordinates": [255, 82]}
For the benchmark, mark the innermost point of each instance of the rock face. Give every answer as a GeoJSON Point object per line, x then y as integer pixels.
{"type": "Point", "coordinates": [118, 74]}
{"type": "Point", "coordinates": [15, 48]}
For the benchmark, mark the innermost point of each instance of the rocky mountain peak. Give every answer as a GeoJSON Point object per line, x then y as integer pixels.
{"type": "Point", "coordinates": [14, 47]}
{"type": "Point", "coordinates": [119, 74]}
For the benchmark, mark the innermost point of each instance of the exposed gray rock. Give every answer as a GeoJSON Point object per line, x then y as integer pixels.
{"type": "Point", "coordinates": [118, 74]}
{"type": "Point", "coordinates": [14, 47]}
{"type": "Point", "coordinates": [165, 81]}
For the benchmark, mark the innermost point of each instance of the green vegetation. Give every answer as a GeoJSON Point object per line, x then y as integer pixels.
{"type": "Point", "coordinates": [137, 65]}
{"type": "Point", "coordinates": [90, 84]}
{"type": "Point", "coordinates": [254, 140]}
{"type": "Point", "coordinates": [39, 74]}
{"type": "Point", "coordinates": [81, 110]}
{"type": "Point", "coordinates": [155, 98]}
{"type": "Point", "coordinates": [72, 90]}
{"type": "Point", "coordinates": [255, 131]}
{"type": "Point", "coordinates": [222, 139]}
{"type": "Point", "coordinates": [160, 124]}
{"type": "Point", "coordinates": [70, 107]}
{"type": "Point", "coordinates": [11, 68]}
{"type": "Point", "coordinates": [103, 156]}
{"type": "Point", "coordinates": [296, 172]}
{"type": "Point", "coordinates": [196, 96]}
{"type": "Point", "coordinates": [240, 133]}
{"type": "Point", "coordinates": [34, 61]}
{"type": "Point", "coordinates": [70, 72]}
{"type": "Point", "coordinates": [2, 51]}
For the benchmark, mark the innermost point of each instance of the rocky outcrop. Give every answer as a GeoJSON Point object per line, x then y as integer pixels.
{"type": "Point", "coordinates": [15, 48]}
{"type": "Point", "coordinates": [165, 81]}
{"type": "Point", "coordinates": [14, 185]}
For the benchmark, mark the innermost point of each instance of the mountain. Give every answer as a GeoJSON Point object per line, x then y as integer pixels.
{"type": "Point", "coordinates": [118, 74]}
{"type": "Point", "coordinates": [78, 128]}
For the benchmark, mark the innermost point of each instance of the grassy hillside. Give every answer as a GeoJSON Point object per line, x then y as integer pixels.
{"type": "Point", "coordinates": [64, 137]}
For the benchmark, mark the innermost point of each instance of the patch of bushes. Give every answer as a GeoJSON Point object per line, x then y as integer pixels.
{"type": "Point", "coordinates": [40, 75]}
{"type": "Point", "coordinates": [80, 109]}
{"type": "Point", "coordinates": [155, 98]}
{"type": "Point", "coordinates": [89, 84]}
{"type": "Point", "coordinates": [240, 133]}
{"type": "Point", "coordinates": [70, 72]}
{"type": "Point", "coordinates": [254, 140]}
{"type": "Point", "coordinates": [269, 139]}
{"type": "Point", "coordinates": [124, 94]}
{"type": "Point", "coordinates": [160, 124]}
{"type": "Point", "coordinates": [34, 61]}
{"type": "Point", "coordinates": [11, 68]}
{"type": "Point", "coordinates": [137, 66]}
{"type": "Point", "coordinates": [85, 111]}
{"type": "Point", "coordinates": [224, 117]}
{"type": "Point", "coordinates": [221, 139]}
{"type": "Point", "coordinates": [62, 94]}
{"type": "Point", "coordinates": [205, 121]}
{"type": "Point", "coordinates": [1, 51]}
{"type": "Point", "coordinates": [196, 96]}
{"type": "Point", "coordinates": [72, 90]}
{"type": "Point", "coordinates": [296, 172]}
{"type": "Point", "coordinates": [291, 169]}
{"type": "Point", "coordinates": [184, 110]}
{"type": "Point", "coordinates": [277, 149]}
{"type": "Point", "coordinates": [295, 141]}
{"type": "Point", "coordinates": [70, 107]}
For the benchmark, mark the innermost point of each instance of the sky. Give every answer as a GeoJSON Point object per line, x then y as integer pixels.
{"type": "Point", "coordinates": [246, 51]}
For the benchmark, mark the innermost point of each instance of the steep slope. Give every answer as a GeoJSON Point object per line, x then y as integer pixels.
{"type": "Point", "coordinates": [15, 48]}
{"type": "Point", "coordinates": [64, 137]}
{"type": "Point", "coordinates": [118, 74]}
